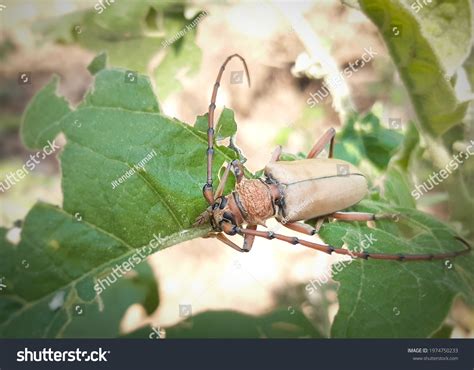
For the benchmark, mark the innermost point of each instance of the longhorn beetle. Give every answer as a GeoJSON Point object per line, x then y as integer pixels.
{"type": "Point", "coordinates": [291, 191]}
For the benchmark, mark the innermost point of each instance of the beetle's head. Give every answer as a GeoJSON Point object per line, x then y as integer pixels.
{"type": "Point", "coordinates": [220, 215]}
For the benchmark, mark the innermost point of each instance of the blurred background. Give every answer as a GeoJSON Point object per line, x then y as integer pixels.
{"type": "Point", "coordinates": [46, 37]}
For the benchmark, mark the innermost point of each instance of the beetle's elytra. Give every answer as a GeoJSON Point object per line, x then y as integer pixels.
{"type": "Point", "coordinates": [291, 192]}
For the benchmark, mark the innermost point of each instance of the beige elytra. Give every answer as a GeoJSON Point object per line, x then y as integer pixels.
{"type": "Point", "coordinates": [316, 187]}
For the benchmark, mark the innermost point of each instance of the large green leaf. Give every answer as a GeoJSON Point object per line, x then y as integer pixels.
{"type": "Point", "coordinates": [54, 269]}
{"type": "Point", "coordinates": [391, 298]}
{"type": "Point", "coordinates": [422, 46]}
{"type": "Point", "coordinates": [109, 134]}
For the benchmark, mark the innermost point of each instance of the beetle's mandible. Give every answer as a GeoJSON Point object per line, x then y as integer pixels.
{"type": "Point", "coordinates": [291, 191]}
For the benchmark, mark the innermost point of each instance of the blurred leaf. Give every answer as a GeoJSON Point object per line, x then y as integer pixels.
{"type": "Point", "coordinates": [417, 50]}
{"type": "Point", "coordinates": [9, 122]}
{"type": "Point", "coordinates": [391, 298]}
{"type": "Point", "coordinates": [469, 67]}
{"type": "Point", "coordinates": [410, 143]}
{"type": "Point", "coordinates": [98, 63]}
{"type": "Point", "coordinates": [365, 138]}
{"type": "Point", "coordinates": [447, 25]}
{"type": "Point", "coordinates": [132, 33]}
{"type": "Point", "coordinates": [182, 59]}
{"type": "Point", "coordinates": [444, 331]}
{"type": "Point", "coordinates": [282, 136]}
{"type": "Point", "coordinates": [96, 322]}
{"type": "Point", "coordinates": [397, 188]}
{"type": "Point", "coordinates": [231, 324]}
{"type": "Point", "coordinates": [6, 48]}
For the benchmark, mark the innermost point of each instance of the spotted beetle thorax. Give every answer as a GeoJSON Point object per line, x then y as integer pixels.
{"type": "Point", "coordinates": [255, 201]}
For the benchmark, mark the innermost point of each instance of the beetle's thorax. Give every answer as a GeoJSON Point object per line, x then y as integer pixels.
{"type": "Point", "coordinates": [255, 200]}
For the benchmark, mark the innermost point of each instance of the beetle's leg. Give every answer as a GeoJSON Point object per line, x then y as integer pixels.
{"type": "Point", "coordinates": [300, 227]}
{"type": "Point", "coordinates": [207, 189]}
{"type": "Point", "coordinates": [276, 154]}
{"type": "Point", "coordinates": [230, 243]}
{"type": "Point", "coordinates": [329, 249]}
{"type": "Point", "coordinates": [249, 238]}
{"type": "Point", "coordinates": [319, 223]}
{"type": "Point", "coordinates": [220, 188]}
{"type": "Point", "coordinates": [364, 216]}
{"type": "Point", "coordinates": [239, 174]}
{"type": "Point", "coordinates": [238, 170]}
{"type": "Point", "coordinates": [328, 137]}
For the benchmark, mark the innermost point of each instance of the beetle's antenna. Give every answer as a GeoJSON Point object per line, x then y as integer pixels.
{"type": "Point", "coordinates": [207, 190]}
{"type": "Point", "coordinates": [364, 255]}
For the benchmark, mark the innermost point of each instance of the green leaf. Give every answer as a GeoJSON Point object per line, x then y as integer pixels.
{"type": "Point", "coordinates": [41, 120]}
{"type": "Point", "coordinates": [201, 123]}
{"type": "Point", "coordinates": [226, 126]}
{"type": "Point", "coordinates": [183, 58]}
{"type": "Point", "coordinates": [391, 298]}
{"type": "Point", "coordinates": [133, 34]}
{"type": "Point", "coordinates": [98, 63]}
{"type": "Point", "coordinates": [364, 138]}
{"type": "Point", "coordinates": [417, 50]}
{"type": "Point", "coordinates": [102, 224]}
{"type": "Point", "coordinates": [444, 332]}
{"type": "Point", "coordinates": [447, 25]}
{"type": "Point", "coordinates": [469, 67]}
{"type": "Point", "coordinates": [408, 147]}
{"type": "Point", "coordinates": [102, 319]}
{"type": "Point", "coordinates": [398, 188]}
{"type": "Point", "coordinates": [55, 267]}
{"type": "Point", "coordinates": [114, 87]}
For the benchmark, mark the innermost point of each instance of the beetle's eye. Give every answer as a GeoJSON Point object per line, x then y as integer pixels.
{"type": "Point", "coordinates": [223, 203]}
{"type": "Point", "coordinates": [216, 204]}
{"type": "Point", "coordinates": [228, 217]}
